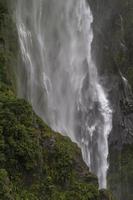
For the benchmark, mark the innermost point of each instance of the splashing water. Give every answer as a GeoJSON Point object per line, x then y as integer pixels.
{"type": "Point", "coordinates": [59, 77]}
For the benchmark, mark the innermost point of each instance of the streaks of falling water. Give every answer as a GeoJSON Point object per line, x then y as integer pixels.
{"type": "Point", "coordinates": [128, 95]}
{"type": "Point", "coordinates": [60, 77]}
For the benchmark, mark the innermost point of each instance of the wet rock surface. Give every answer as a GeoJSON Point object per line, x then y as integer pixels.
{"type": "Point", "coordinates": [113, 50]}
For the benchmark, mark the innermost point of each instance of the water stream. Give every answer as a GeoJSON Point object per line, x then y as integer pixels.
{"type": "Point", "coordinates": [59, 77]}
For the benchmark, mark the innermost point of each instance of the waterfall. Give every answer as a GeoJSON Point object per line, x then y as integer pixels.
{"type": "Point", "coordinates": [59, 78]}
{"type": "Point", "coordinates": [128, 95]}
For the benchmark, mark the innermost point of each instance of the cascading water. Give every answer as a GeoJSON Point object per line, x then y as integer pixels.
{"type": "Point", "coordinates": [59, 77]}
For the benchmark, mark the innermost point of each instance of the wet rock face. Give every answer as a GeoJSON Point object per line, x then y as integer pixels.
{"type": "Point", "coordinates": [112, 49]}
{"type": "Point", "coordinates": [120, 179]}
{"type": "Point", "coordinates": [113, 54]}
{"type": "Point", "coordinates": [104, 13]}
{"type": "Point", "coordinates": [122, 113]}
{"type": "Point", "coordinates": [113, 34]}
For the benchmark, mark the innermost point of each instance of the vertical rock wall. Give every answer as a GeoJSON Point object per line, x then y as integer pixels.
{"type": "Point", "coordinates": [113, 52]}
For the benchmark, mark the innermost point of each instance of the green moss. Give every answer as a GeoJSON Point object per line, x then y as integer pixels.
{"type": "Point", "coordinates": [120, 176]}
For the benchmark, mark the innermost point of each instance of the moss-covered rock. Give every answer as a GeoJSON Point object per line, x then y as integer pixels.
{"type": "Point", "coordinates": [35, 162]}
{"type": "Point", "coordinates": [106, 195]}
{"type": "Point", "coordinates": [120, 176]}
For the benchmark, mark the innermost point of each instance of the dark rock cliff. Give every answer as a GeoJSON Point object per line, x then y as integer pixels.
{"type": "Point", "coordinates": [112, 50]}
{"type": "Point", "coordinates": [113, 54]}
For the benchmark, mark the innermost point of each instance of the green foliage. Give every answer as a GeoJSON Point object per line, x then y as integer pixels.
{"type": "Point", "coordinates": [8, 46]}
{"type": "Point", "coordinates": [41, 164]}
{"type": "Point", "coordinates": [5, 186]}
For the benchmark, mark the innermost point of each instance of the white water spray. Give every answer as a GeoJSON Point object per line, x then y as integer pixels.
{"type": "Point", "coordinates": [59, 77]}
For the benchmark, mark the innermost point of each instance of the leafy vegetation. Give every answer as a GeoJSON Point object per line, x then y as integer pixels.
{"type": "Point", "coordinates": [35, 162]}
